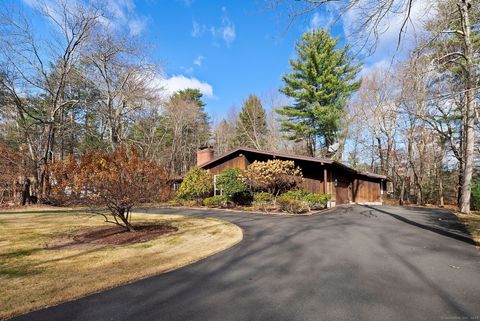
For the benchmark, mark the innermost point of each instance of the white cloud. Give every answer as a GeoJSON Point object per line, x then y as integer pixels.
{"type": "Point", "coordinates": [321, 21]}
{"type": "Point", "coordinates": [226, 30]}
{"type": "Point", "coordinates": [367, 69]}
{"type": "Point", "coordinates": [199, 60]}
{"type": "Point", "coordinates": [229, 34]}
{"type": "Point", "coordinates": [188, 3]}
{"type": "Point", "coordinates": [137, 26]}
{"type": "Point", "coordinates": [391, 24]}
{"type": "Point", "coordinates": [51, 7]}
{"type": "Point", "coordinates": [179, 82]}
{"type": "Point", "coordinates": [187, 70]}
{"type": "Point", "coordinates": [119, 14]}
{"type": "Point", "coordinates": [315, 22]}
{"type": "Point", "coordinates": [384, 50]}
{"type": "Point", "coordinates": [122, 14]}
{"type": "Point", "coordinates": [197, 29]}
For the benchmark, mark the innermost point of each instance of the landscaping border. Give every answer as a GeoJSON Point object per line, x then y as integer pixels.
{"type": "Point", "coordinates": [312, 213]}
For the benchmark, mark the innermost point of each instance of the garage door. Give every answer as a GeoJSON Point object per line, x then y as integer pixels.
{"type": "Point", "coordinates": [342, 193]}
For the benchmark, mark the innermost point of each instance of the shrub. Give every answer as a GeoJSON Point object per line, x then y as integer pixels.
{"type": "Point", "coordinates": [476, 195]}
{"type": "Point", "coordinates": [298, 194]}
{"type": "Point", "coordinates": [274, 176]}
{"type": "Point", "coordinates": [230, 182]}
{"type": "Point", "coordinates": [216, 201]}
{"type": "Point", "coordinates": [183, 202]}
{"type": "Point", "coordinates": [197, 184]}
{"type": "Point", "coordinates": [316, 201]}
{"type": "Point", "coordinates": [263, 201]}
{"type": "Point", "coordinates": [244, 198]}
{"type": "Point", "coordinates": [262, 197]}
{"type": "Point", "coordinates": [291, 204]}
{"type": "Point", "coordinates": [119, 180]}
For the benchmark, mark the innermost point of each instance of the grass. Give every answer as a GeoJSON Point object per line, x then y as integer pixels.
{"type": "Point", "coordinates": [472, 223]}
{"type": "Point", "coordinates": [32, 276]}
{"type": "Point", "coordinates": [38, 208]}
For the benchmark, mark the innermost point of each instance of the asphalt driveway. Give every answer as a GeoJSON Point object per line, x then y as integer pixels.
{"type": "Point", "coordinates": [354, 263]}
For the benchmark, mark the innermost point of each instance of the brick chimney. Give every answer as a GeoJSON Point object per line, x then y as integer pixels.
{"type": "Point", "coordinates": [204, 155]}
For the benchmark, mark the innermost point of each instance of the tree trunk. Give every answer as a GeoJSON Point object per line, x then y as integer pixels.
{"type": "Point", "coordinates": [402, 193]}
{"type": "Point", "coordinates": [25, 192]}
{"type": "Point", "coordinates": [440, 191]}
{"type": "Point", "coordinates": [123, 214]}
{"type": "Point", "coordinates": [464, 6]}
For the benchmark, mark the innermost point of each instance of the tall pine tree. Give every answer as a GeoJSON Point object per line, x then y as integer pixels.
{"type": "Point", "coordinates": [252, 124]}
{"type": "Point", "coordinates": [322, 78]}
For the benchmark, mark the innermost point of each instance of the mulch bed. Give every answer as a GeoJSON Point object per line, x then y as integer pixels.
{"type": "Point", "coordinates": [110, 235]}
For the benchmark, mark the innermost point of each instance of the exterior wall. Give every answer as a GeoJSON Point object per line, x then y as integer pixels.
{"type": "Point", "coordinates": [312, 185]}
{"type": "Point", "coordinates": [237, 162]}
{"type": "Point", "coordinates": [345, 185]}
{"type": "Point", "coordinates": [312, 177]}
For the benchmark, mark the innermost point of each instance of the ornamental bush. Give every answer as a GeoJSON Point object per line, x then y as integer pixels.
{"type": "Point", "coordinates": [230, 181]}
{"type": "Point", "coordinates": [118, 180]}
{"type": "Point", "coordinates": [291, 204]}
{"type": "Point", "coordinates": [297, 194]}
{"type": "Point", "coordinates": [317, 201]}
{"type": "Point", "coordinates": [274, 176]}
{"type": "Point", "coordinates": [244, 198]}
{"type": "Point", "coordinates": [216, 201]}
{"type": "Point", "coordinates": [262, 197]}
{"type": "Point", "coordinates": [263, 201]}
{"type": "Point", "coordinates": [197, 184]}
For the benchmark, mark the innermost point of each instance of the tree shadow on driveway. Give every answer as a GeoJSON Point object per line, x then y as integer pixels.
{"type": "Point", "coordinates": [435, 220]}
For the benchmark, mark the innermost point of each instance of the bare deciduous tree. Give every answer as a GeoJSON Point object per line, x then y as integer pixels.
{"type": "Point", "coordinates": [37, 72]}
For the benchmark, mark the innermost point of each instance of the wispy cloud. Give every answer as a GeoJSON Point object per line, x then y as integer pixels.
{"type": "Point", "coordinates": [188, 3]}
{"type": "Point", "coordinates": [382, 51]}
{"type": "Point", "coordinates": [324, 21]}
{"type": "Point", "coordinates": [197, 29]}
{"type": "Point", "coordinates": [199, 60]}
{"type": "Point", "coordinates": [187, 70]}
{"type": "Point", "coordinates": [137, 26]}
{"type": "Point", "coordinates": [389, 28]}
{"type": "Point", "coordinates": [119, 14]}
{"type": "Point", "coordinates": [225, 31]}
{"type": "Point", "coordinates": [123, 14]}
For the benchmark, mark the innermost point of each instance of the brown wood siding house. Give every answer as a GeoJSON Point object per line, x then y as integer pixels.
{"type": "Point", "coordinates": [344, 184]}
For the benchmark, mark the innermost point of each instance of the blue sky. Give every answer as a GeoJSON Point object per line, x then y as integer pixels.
{"type": "Point", "coordinates": [237, 47]}
{"type": "Point", "coordinates": [227, 49]}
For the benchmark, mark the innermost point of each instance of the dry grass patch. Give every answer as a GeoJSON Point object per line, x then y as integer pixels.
{"type": "Point", "coordinates": [38, 208]}
{"type": "Point", "coordinates": [33, 276]}
{"type": "Point", "coordinates": [472, 223]}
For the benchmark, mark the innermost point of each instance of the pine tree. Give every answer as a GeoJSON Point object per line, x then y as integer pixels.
{"type": "Point", "coordinates": [252, 124]}
{"type": "Point", "coordinates": [322, 78]}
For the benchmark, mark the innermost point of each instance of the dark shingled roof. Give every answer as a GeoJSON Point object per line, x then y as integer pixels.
{"type": "Point", "coordinates": [291, 157]}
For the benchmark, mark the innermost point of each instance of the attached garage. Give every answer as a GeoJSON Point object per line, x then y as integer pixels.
{"type": "Point", "coordinates": [345, 184]}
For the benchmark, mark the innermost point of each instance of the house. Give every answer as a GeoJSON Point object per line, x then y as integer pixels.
{"type": "Point", "coordinates": [344, 184]}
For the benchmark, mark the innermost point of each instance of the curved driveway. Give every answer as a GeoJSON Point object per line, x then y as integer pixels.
{"type": "Point", "coordinates": [353, 263]}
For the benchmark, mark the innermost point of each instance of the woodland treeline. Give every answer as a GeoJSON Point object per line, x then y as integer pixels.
{"type": "Point", "coordinates": [84, 86]}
